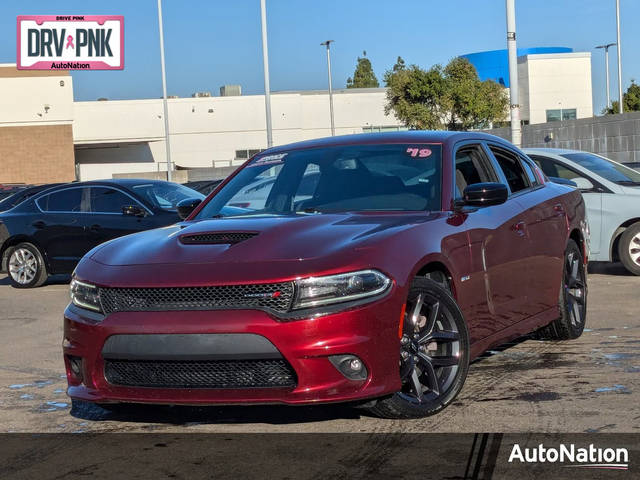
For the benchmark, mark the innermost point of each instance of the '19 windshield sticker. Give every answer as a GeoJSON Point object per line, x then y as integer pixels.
{"type": "Point", "coordinates": [418, 152]}
{"type": "Point", "coordinates": [268, 160]}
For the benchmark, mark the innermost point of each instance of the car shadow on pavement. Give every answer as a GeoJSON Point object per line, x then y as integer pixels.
{"type": "Point", "coordinates": [52, 280]}
{"type": "Point", "coordinates": [192, 415]}
{"type": "Point", "coordinates": [608, 268]}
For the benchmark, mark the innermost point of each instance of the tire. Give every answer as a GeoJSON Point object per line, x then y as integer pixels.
{"type": "Point", "coordinates": [572, 301]}
{"type": "Point", "coordinates": [438, 378]}
{"type": "Point", "coordinates": [26, 267]}
{"type": "Point", "coordinates": [629, 248]}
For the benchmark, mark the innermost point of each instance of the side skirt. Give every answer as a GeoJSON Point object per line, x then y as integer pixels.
{"type": "Point", "coordinates": [517, 330]}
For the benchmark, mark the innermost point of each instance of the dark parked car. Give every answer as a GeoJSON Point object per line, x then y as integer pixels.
{"type": "Point", "coordinates": [49, 232]}
{"type": "Point", "coordinates": [21, 194]}
{"type": "Point", "coordinates": [205, 187]}
{"type": "Point", "coordinates": [414, 253]}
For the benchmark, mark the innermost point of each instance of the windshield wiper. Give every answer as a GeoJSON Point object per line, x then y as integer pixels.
{"type": "Point", "coordinates": [628, 182]}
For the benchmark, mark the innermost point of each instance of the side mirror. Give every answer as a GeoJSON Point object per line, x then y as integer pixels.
{"type": "Point", "coordinates": [186, 206]}
{"type": "Point", "coordinates": [133, 211]}
{"type": "Point", "coordinates": [564, 181]}
{"type": "Point", "coordinates": [484, 194]}
{"type": "Point", "coordinates": [582, 183]}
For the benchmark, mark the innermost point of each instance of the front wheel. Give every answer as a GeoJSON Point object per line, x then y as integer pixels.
{"type": "Point", "coordinates": [26, 266]}
{"type": "Point", "coordinates": [629, 249]}
{"type": "Point", "coordinates": [434, 354]}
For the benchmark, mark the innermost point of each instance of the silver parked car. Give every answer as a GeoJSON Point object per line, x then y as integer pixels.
{"type": "Point", "coordinates": [612, 195]}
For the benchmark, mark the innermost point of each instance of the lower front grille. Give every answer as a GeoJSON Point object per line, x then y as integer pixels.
{"type": "Point", "coordinates": [200, 374]}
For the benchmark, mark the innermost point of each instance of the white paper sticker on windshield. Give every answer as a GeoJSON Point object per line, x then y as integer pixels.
{"type": "Point", "coordinates": [268, 160]}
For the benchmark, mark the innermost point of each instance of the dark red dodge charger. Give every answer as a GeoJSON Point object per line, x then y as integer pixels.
{"type": "Point", "coordinates": [369, 268]}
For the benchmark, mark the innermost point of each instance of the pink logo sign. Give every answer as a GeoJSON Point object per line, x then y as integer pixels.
{"type": "Point", "coordinates": [70, 42]}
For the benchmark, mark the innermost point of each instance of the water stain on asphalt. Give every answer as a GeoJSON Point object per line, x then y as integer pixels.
{"type": "Point", "coordinates": [538, 396]}
{"type": "Point", "coordinates": [615, 388]}
{"type": "Point", "coordinates": [53, 406]}
{"type": "Point", "coordinates": [18, 386]}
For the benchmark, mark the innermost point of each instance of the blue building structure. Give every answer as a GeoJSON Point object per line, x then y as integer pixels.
{"type": "Point", "coordinates": [494, 64]}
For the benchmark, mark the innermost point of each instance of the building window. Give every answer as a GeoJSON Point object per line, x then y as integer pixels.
{"type": "Point", "coordinates": [247, 153]}
{"type": "Point", "coordinates": [567, 114]}
{"type": "Point", "coordinates": [382, 128]}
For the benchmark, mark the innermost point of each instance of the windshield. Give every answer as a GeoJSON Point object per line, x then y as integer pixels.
{"type": "Point", "coordinates": [612, 171]}
{"type": "Point", "coordinates": [165, 195]}
{"type": "Point", "coordinates": [386, 177]}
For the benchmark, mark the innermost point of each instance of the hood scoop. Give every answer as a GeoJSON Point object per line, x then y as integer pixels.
{"type": "Point", "coordinates": [216, 238]}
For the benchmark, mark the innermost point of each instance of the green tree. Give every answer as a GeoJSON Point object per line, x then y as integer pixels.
{"type": "Point", "coordinates": [631, 100]}
{"type": "Point", "coordinates": [363, 76]}
{"type": "Point", "coordinates": [451, 98]}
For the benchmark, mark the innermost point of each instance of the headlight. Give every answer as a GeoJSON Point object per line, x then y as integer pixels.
{"type": "Point", "coordinates": [314, 291]}
{"type": "Point", "coordinates": [85, 295]}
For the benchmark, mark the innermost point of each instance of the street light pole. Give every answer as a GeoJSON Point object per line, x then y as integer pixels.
{"type": "Point", "coordinates": [164, 96]}
{"type": "Point", "coordinates": [516, 129]}
{"type": "Point", "coordinates": [265, 64]}
{"type": "Point", "coordinates": [606, 66]}
{"type": "Point", "coordinates": [333, 127]}
{"type": "Point", "coordinates": [620, 96]}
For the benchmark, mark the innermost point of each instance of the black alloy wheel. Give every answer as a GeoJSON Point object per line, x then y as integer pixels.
{"type": "Point", "coordinates": [572, 301]}
{"type": "Point", "coordinates": [434, 354]}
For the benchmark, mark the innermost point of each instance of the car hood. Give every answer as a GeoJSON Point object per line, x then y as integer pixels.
{"type": "Point", "coordinates": [277, 238]}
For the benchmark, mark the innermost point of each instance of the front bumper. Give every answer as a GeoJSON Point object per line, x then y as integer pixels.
{"type": "Point", "coordinates": [369, 332]}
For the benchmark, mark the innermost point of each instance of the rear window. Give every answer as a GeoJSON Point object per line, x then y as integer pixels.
{"type": "Point", "coordinates": [68, 200]}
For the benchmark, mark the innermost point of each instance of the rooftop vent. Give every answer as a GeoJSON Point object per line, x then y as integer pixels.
{"type": "Point", "coordinates": [201, 94]}
{"type": "Point", "coordinates": [230, 91]}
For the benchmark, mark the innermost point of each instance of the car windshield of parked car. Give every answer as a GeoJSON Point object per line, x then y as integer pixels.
{"type": "Point", "coordinates": [612, 171]}
{"type": "Point", "coordinates": [165, 195]}
{"type": "Point", "coordinates": [383, 177]}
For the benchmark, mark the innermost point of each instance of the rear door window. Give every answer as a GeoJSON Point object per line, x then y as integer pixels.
{"type": "Point", "coordinates": [513, 170]}
{"type": "Point", "coordinates": [67, 200]}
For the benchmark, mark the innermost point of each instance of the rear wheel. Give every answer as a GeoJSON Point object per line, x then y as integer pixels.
{"type": "Point", "coordinates": [629, 248]}
{"type": "Point", "coordinates": [434, 354]}
{"type": "Point", "coordinates": [572, 300]}
{"type": "Point", "coordinates": [26, 266]}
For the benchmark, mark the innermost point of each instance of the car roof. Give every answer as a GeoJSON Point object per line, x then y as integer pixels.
{"type": "Point", "coordinates": [556, 151]}
{"type": "Point", "coordinates": [409, 136]}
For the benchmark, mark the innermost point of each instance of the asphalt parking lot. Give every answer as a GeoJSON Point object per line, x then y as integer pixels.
{"type": "Point", "coordinates": [588, 385]}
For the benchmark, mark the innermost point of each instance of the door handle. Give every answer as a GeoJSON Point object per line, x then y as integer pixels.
{"type": "Point", "coordinates": [39, 224]}
{"type": "Point", "coordinates": [519, 228]}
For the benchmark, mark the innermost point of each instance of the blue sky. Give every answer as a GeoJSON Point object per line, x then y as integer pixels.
{"type": "Point", "coordinates": [216, 42]}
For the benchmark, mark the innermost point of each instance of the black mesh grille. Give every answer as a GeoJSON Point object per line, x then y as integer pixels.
{"type": "Point", "coordinates": [274, 296]}
{"type": "Point", "coordinates": [218, 238]}
{"type": "Point", "coordinates": [200, 374]}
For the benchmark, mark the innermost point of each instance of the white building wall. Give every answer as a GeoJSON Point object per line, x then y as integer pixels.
{"type": "Point", "coordinates": [559, 79]}
{"type": "Point", "coordinates": [24, 100]}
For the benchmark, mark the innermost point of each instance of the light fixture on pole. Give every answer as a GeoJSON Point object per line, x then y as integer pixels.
{"type": "Point", "coordinates": [606, 66]}
{"type": "Point", "coordinates": [327, 44]}
{"type": "Point", "coordinates": [560, 103]}
{"type": "Point", "coordinates": [620, 96]}
{"type": "Point", "coordinates": [265, 64]}
{"type": "Point", "coordinates": [516, 129]}
{"type": "Point", "coordinates": [164, 96]}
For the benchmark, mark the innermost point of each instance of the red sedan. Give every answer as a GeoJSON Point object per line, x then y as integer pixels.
{"type": "Point", "coordinates": [377, 267]}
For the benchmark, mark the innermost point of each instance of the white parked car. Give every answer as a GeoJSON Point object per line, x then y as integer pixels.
{"type": "Point", "coordinates": [612, 195]}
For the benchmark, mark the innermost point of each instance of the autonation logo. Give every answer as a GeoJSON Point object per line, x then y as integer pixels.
{"type": "Point", "coordinates": [572, 456]}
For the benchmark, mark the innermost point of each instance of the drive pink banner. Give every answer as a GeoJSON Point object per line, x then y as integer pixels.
{"type": "Point", "coordinates": [70, 42]}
